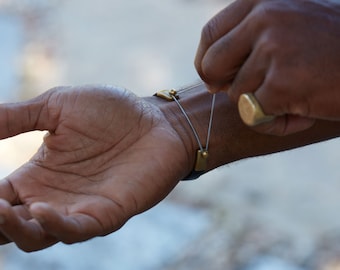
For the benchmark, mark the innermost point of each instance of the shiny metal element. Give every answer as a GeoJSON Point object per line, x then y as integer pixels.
{"type": "Point", "coordinates": [201, 160]}
{"type": "Point", "coordinates": [167, 94]}
{"type": "Point", "coordinates": [190, 124]}
{"type": "Point", "coordinates": [251, 111]}
{"type": "Point", "coordinates": [202, 153]}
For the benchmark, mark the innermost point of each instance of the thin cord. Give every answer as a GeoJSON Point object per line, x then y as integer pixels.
{"type": "Point", "coordinates": [210, 120]}
{"type": "Point", "coordinates": [191, 125]}
{"type": "Point", "coordinates": [184, 89]}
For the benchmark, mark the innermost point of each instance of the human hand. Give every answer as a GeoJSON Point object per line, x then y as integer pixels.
{"type": "Point", "coordinates": [286, 52]}
{"type": "Point", "coordinates": [108, 155]}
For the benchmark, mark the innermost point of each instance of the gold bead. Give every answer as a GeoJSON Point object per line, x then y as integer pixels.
{"type": "Point", "coordinates": [205, 154]}
{"type": "Point", "coordinates": [173, 92]}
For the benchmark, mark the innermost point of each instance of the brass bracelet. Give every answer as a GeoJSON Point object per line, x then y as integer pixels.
{"type": "Point", "coordinates": [202, 153]}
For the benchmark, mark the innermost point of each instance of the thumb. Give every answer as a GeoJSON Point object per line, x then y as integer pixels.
{"type": "Point", "coordinates": [17, 118]}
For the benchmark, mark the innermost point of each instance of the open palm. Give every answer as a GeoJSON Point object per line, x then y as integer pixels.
{"type": "Point", "coordinates": [107, 156]}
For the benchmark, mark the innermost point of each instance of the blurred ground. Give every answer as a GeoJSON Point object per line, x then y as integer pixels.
{"type": "Point", "coordinates": [275, 212]}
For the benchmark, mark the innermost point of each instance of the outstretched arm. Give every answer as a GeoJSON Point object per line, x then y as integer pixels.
{"type": "Point", "coordinates": [109, 155]}
{"type": "Point", "coordinates": [231, 140]}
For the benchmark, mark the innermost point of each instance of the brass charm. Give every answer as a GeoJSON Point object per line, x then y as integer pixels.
{"type": "Point", "coordinates": [201, 161]}
{"type": "Point", "coordinates": [167, 94]}
{"type": "Point", "coordinates": [202, 154]}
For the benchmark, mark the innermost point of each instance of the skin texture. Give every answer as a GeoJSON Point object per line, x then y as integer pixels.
{"type": "Point", "coordinates": [109, 155]}
{"type": "Point", "coordinates": [286, 52]}
{"type": "Point", "coordinates": [94, 157]}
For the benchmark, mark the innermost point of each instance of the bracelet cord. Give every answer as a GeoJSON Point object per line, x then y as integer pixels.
{"type": "Point", "coordinates": [202, 153]}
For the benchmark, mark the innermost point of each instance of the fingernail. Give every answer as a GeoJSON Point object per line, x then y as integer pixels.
{"type": "Point", "coordinates": [217, 88]}
{"type": "Point", "coordinates": [212, 89]}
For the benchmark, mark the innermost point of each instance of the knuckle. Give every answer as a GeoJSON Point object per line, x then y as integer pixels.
{"type": "Point", "coordinates": [208, 37]}
{"type": "Point", "coordinates": [266, 19]}
{"type": "Point", "coordinates": [268, 12]}
{"type": "Point", "coordinates": [269, 45]}
{"type": "Point", "coordinates": [285, 98]}
{"type": "Point", "coordinates": [208, 71]}
{"type": "Point", "coordinates": [300, 107]}
{"type": "Point", "coordinates": [209, 32]}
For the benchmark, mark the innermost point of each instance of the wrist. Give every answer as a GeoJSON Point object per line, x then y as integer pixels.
{"type": "Point", "coordinates": [230, 139]}
{"type": "Point", "coordinates": [197, 104]}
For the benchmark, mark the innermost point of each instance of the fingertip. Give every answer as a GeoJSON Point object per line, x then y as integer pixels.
{"type": "Point", "coordinates": [39, 211]}
{"type": "Point", "coordinates": [4, 210]}
{"type": "Point", "coordinates": [38, 206]}
{"type": "Point", "coordinates": [4, 204]}
{"type": "Point", "coordinates": [50, 219]}
{"type": "Point", "coordinates": [213, 89]}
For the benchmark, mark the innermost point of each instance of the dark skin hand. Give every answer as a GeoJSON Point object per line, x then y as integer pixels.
{"type": "Point", "coordinates": [91, 174]}
{"type": "Point", "coordinates": [286, 52]}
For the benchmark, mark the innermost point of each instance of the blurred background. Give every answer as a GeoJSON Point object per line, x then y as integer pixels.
{"type": "Point", "coordinates": [274, 212]}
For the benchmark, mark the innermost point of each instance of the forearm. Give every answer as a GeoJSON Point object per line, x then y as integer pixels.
{"type": "Point", "coordinates": [230, 139]}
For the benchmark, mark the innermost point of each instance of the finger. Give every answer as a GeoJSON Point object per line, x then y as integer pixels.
{"type": "Point", "coordinates": [27, 235]}
{"type": "Point", "coordinates": [225, 57]}
{"type": "Point", "coordinates": [250, 76]}
{"type": "Point", "coordinates": [285, 122]}
{"type": "Point", "coordinates": [20, 211]}
{"type": "Point", "coordinates": [285, 125]}
{"type": "Point", "coordinates": [220, 25]}
{"type": "Point", "coordinates": [16, 118]}
{"type": "Point", "coordinates": [68, 229]}
{"type": "Point", "coordinates": [7, 192]}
